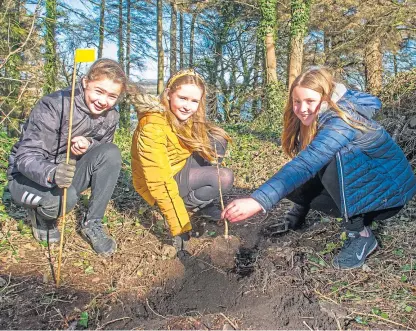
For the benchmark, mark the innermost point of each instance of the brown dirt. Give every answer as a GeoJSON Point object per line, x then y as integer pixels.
{"type": "Point", "coordinates": [283, 282]}
{"type": "Point", "coordinates": [223, 251]}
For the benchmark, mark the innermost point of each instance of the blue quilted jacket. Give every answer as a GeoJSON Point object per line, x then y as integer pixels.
{"type": "Point", "coordinates": [372, 169]}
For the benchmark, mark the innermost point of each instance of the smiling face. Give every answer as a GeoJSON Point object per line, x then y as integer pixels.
{"type": "Point", "coordinates": [184, 101]}
{"type": "Point", "coordinates": [306, 104]}
{"type": "Point", "coordinates": [100, 95]}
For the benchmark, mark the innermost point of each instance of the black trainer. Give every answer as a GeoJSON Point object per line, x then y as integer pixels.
{"type": "Point", "coordinates": [43, 230]}
{"type": "Point", "coordinates": [180, 243]}
{"type": "Point", "coordinates": [93, 232]}
{"type": "Point", "coordinates": [293, 220]}
{"type": "Point", "coordinates": [210, 212]}
{"type": "Point", "coordinates": [355, 250]}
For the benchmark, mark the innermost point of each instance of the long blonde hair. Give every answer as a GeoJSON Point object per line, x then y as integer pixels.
{"type": "Point", "coordinates": [195, 132]}
{"type": "Point", "coordinates": [296, 136]}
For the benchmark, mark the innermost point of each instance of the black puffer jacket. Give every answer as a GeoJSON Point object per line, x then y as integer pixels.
{"type": "Point", "coordinates": [43, 141]}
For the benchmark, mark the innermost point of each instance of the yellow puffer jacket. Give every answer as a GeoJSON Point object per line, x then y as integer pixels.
{"type": "Point", "coordinates": [157, 155]}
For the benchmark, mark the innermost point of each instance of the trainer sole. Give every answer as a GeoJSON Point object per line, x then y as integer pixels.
{"type": "Point", "coordinates": [36, 233]}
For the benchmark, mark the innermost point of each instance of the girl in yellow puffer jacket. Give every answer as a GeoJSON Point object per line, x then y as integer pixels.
{"type": "Point", "coordinates": [173, 151]}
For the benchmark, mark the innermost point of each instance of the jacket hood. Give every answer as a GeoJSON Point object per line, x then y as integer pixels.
{"type": "Point", "coordinates": [147, 103]}
{"type": "Point", "coordinates": [363, 103]}
{"type": "Point", "coordinates": [337, 94]}
{"type": "Point", "coordinates": [79, 98]}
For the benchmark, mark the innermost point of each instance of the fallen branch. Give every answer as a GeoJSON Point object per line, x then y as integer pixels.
{"type": "Point", "coordinates": [157, 314]}
{"type": "Point", "coordinates": [229, 321]}
{"type": "Point", "coordinates": [113, 321]}
{"type": "Point", "coordinates": [306, 324]}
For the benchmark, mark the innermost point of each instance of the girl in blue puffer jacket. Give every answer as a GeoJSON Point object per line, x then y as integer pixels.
{"type": "Point", "coordinates": [343, 163]}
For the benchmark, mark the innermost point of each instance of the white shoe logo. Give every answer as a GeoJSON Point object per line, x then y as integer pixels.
{"type": "Point", "coordinates": [360, 256]}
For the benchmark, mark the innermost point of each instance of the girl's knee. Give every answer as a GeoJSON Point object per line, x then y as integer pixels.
{"type": "Point", "coordinates": [107, 153]}
{"type": "Point", "coordinates": [51, 207]}
{"type": "Point", "coordinates": [114, 154]}
{"type": "Point", "coordinates": [227, 179]}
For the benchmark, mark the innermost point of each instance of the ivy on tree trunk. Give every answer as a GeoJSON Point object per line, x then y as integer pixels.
{"type": "Point", "coordinates": [300, 10]}
{"type": "Point", "coordinates": [51, 65]}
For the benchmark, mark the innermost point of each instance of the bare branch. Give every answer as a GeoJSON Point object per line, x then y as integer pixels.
{"type": "Point", "coordinates": [9, 113]}
{"type": "Point", "coordinates": [35, 14]}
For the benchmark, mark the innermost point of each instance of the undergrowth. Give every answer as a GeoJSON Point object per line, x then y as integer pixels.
{"type": "Point", "coordinates": [6, 144]}
{"type": "Point", "coordinates": [383, 295]}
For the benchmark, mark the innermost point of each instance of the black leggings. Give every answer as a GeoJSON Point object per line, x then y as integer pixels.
{"type": "Point", "coordinates": [198, 180]}
{"type": "Point", "coordinates": [322, 193]}
{"type": "Point", "coordinates": [98, 169]}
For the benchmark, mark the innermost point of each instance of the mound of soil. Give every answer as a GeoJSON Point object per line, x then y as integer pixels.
{"type": "Point", "coordinates": [223, 251]}
{"type": "Point", "coordinates": [258, 282]}
{"type": "Point", "coordinates": [206, 295]}
{"type": "Point", "coordinates": [214, 294]}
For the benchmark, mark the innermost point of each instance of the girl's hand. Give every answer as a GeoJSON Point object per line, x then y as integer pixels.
{"type": "Point", "coordinates": [241, 209]}
{"type": "Point", "coordinates": [79, 145]}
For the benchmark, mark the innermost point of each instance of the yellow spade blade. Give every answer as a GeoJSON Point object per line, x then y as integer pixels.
{"type": "Point", "coordinates": [84, 55]}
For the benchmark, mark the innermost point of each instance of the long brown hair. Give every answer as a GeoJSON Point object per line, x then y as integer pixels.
{"type": "Point", "coordinates": [195, 132]}
{"type": "Point", "coordinates": [296, 136]}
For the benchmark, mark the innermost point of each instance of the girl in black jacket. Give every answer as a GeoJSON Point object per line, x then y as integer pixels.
{"type": "Point", "coordinates": [37, 170]}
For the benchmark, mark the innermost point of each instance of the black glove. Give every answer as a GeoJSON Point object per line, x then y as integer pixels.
{"type": "Point", "coordinates": [64, 173]}
{"type": "Point", "coordinates": [181, 242]}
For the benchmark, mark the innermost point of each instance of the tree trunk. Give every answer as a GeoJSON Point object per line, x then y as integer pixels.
{"type": "Point", "coordinates": [123, 107]}
{"type": "Point", "coordinates": [298, 28]}
{"type": "Point", "coordinates": [125, 104]}
{"type": "Point", "coordinates": [51, 61]}
{"type": "Point", "coordinates": [101, 29]}
{"type": "Point", "coordinates": [160, 53]}
{"type": "Point", "coordinates": [216, 74]}
{"type": "Point", "coordinates": [120, 34]}
{"type": "Point", "coordinates": [173, 36]}
{"type": "Point", "coordinates": [295, 59]}
{"type": "Point", "coordinates": [271, 75]}
{"type": "Point", "coordinates": [268, 25]}
{"type": "Point", "coordinates": [273, 87]}
{"type": "Point", "coordinates": [192, 40]}
{"type": "Point", "coordinates": [128, 39]}
{"type": "Point", "coordinates": [181, 54]}
{"type": "Point", "coordinates": [374, 66]}
{"type": "Point", "coordinates": [256, 73]}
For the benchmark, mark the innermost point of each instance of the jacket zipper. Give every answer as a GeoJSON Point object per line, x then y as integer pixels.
{"type": "Point", "coordinates": [342, 185]}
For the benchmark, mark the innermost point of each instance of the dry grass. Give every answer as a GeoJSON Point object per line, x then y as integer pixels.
{"type": "Point", "coordinates": [381, 295]}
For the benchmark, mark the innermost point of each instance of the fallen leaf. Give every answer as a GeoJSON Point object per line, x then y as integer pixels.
{"type": "Point", "coordinates": [366, 268]}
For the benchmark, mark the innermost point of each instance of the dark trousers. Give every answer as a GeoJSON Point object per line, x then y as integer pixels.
{"type": "Point", "coordinates": [322, 193]}
{"type": "Point", "coordinates": [198, 180]}
{"type": "Point", "coordinates": [98, 168]}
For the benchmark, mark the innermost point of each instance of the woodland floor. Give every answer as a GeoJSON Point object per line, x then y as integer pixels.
{"type": "Point", "coordinates": [284, 282]}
